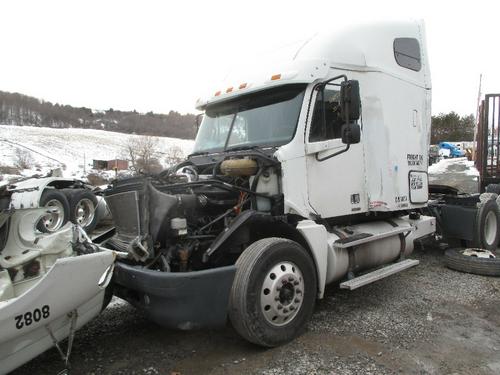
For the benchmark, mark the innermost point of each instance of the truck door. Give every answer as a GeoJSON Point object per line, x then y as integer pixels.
{"type": "Point", "coordinates": [335, 184]}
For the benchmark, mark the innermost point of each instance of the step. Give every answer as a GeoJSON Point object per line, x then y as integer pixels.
{"type": "Point", "coordinates": [361, 238]}
{"type": "Point", "coordinates": [351, 239]}
{"type": "Point", "coordinates": [379, 274]}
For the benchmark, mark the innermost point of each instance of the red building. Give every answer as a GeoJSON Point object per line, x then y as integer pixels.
{"type": "Point", "coordinates": [117, 164]}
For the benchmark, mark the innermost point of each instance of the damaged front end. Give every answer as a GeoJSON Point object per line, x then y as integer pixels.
{"type": "Point", "coordinates": [184, 230]}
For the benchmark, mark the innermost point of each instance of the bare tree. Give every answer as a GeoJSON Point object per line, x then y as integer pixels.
{"type": "Point", "coordinates": [17, 109]}
{"type": "Point", "coordinates": [143, 154]}
{"type": "Point", "coordinates": [23, 159]}
{"type": "Point", "coordinates": [174, 155]}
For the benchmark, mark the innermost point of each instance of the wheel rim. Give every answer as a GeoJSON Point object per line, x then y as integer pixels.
{"type": "Point", "coordinates": [54, 220]}
{"type": "Point", "coordinates": [282, 293]}
{"type": "Point", "coordinates": [490, 228]}
{"type": "Point", "coordinates": [84, 212]}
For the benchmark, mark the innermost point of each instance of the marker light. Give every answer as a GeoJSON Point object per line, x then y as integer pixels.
{"type": "Point", "coordinates": [242, 86]}
{"type": "Point", "coordinates": [229, 89]}
{"type": "Point", "coordinates": [217, 93]}
{"type": "Point", "coordinates": [276, 77]}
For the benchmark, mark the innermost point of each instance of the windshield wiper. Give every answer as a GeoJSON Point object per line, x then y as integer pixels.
{"type": "Point", "coordinates": [198, 153]}
{"type": "Point", "coordinates": [240, 148]}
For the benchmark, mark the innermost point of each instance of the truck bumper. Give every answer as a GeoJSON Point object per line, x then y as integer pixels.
{"type": "Point", "coordinates": [183, 300]}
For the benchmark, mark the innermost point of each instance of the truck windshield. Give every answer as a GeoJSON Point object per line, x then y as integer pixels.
{"type": "Point", "coordinates": [266, 118]}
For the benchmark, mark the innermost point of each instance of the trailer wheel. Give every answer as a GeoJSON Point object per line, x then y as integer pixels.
{"type": "Point", "coordinates": [456, 260]}
{"type": "Point", "coordinates": [487, 226]}
{"type": "Point", "coordinates": [53, 221]}
{"type": "Point", "coordinates": [83, 204]}
{"type": "Point", "coordinates": [273, 292]}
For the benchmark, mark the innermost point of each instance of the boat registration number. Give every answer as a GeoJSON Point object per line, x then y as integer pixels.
{"type": "Point", "coordinates": [30, 317]}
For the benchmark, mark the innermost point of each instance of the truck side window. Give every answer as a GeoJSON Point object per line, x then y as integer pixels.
{"type": "Point", "coordinates": [407, 53]}
{"type": "Point", "coordinates": [321, 130]}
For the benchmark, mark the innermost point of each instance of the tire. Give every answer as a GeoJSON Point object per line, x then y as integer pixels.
{"type": "Point", "coordinates": [253, 310]}
{"type": "Point", "coordinates": [487, 196]}
{"type": "Point", "coordinates": [108, 296]}
{"type": "Point", "coordinates": [487, 226]}
{"type": "Point", "coordinates": [52, 222]}
{"type": "Point", "coordinates": [493, 188]}
{"type": "Point", "coordinates": [455, 260]}
{"type": "Point", "coordinates": [83, 204]}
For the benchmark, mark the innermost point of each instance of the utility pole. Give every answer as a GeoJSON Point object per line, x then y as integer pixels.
{"type": "Point", "coordinates": [478, 97]}
{"type": "Point", "coordinates": [477, 117]}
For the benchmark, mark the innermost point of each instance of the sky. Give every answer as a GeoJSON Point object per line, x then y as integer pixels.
{"type": "Point", "coordinates": [163, 55]}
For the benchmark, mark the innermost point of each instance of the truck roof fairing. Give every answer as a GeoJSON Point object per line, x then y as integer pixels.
{"type": "Point", "coordinates": [291, 72]}
{"type": "Point", "coordinates": [365, 47]}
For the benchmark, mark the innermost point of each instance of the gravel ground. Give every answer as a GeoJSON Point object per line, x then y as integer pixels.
{"type": "Point", "coordinates": [426, 320]}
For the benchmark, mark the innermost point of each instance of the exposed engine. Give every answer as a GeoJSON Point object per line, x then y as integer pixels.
{"type": "Point", "coordinates": [182, 218]}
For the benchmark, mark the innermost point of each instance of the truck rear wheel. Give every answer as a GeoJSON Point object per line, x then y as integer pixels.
{"type": "Point", "coordinates": [487, 226]}
{"type": "Point", "coordinates": [273, 292]}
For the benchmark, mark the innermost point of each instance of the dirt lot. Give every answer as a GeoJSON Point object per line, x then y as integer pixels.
{"type": "Point", "coordinates": [427, 320]}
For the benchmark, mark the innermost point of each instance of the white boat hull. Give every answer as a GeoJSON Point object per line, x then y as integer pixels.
{"type": "Point", "coordinates": [73, 283]}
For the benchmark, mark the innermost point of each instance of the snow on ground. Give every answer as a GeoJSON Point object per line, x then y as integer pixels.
{"type": "Point", "coordinates": [116, 303]}
{"type": "Point", "coordinates": [444, 166]}
{"type": "Point", "coordinates": [70, 149]}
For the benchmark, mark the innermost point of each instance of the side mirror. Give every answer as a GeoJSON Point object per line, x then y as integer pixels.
{"type": "Point", "coordinates": [351, 133]}
{"type": "Point", "coordinates": [350, 101]}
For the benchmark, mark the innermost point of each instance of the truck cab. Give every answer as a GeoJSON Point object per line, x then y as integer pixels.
{"type": "Point", "coordinates": [303, 173]}
{"type": "Point", "coordinates": [390, 63]}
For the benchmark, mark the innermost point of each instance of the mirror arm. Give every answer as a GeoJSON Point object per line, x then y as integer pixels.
{"type": "Point", "coordinates": [323, 106]}
{"type": "Point", "coordinates": [335, 78]}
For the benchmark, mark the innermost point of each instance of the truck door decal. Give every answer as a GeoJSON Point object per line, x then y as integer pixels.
{"type": "Point", "coordinates": [418, 184]}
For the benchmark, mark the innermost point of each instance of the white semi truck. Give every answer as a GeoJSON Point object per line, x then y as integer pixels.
{"type": "Point", "coordinates": [312, 172]}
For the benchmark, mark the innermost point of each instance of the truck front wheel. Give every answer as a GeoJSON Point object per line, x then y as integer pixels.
{"type": "Point", "coordinates": [273, 292]}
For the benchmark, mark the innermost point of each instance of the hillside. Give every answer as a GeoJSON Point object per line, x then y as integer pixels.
{"type": "Point", "coordinates": [72, 150]}
{"type": "Point", "coordinates": [18, 109]}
